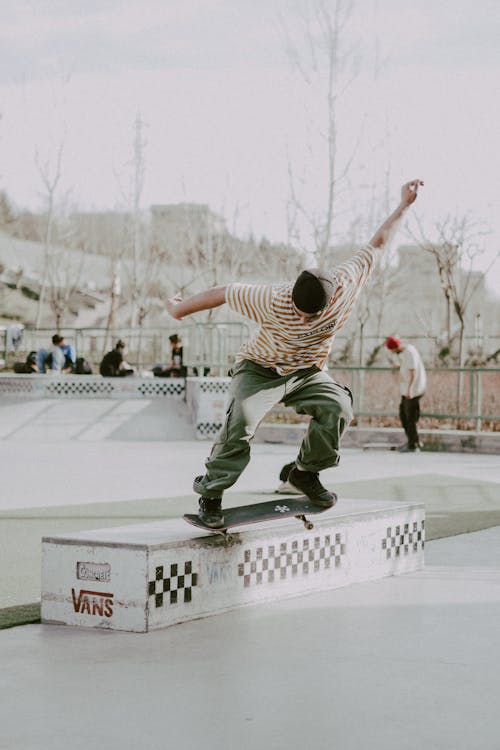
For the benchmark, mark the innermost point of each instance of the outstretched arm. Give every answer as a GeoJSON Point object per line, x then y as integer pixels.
{"type": "Point", "coordinates": [408, 196]}
{"type": "Point", "coordinates": [178, 308]}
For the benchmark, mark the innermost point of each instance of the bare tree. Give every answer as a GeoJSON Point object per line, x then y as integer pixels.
{"type": "Point", "coordinates": [327, 61]}
{"type": "Point", "coordinates": [7, 216]}
{"type": "Point", "coordinates": [457, 246]}
{"type": "Point", "coordinates": [114, 244]}
{"type": "Point", "coordinates": [64, 268]}
{"type": "Point", "coordinates": [132, 196]}
{"type": "Point", "coordinates": [50, 175]}
{"type": "Point", "coordinates": [64, 249]}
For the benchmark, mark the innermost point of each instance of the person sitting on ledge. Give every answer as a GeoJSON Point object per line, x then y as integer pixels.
{"type": "Point", "coordinates": [176, 369]}
{"type": "Point", "coordinates": [113, 364]}
{"type": "Point", "coordinates": [56, 360]}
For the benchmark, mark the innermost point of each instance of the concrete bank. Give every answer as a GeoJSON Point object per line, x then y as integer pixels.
{"type": "Point", "coordinates": [456, 441]}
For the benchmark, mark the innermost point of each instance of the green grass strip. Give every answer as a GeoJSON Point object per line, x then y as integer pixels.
{"type": "Point", "coordinates": [22, 614]}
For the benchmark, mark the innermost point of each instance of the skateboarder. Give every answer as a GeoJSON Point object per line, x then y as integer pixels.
{"type": "Point", "coordinates": [284, 362]}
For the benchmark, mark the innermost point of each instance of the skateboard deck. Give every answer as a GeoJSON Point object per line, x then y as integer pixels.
{"type": "Point", "coordinates": [271, 510]}
{"type": "Point", "coordinates": [380, 446]}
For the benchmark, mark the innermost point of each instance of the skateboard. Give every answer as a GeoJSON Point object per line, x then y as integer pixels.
{"type": "Point", "coordinates": [286, 507]}
{"type": "Point", "coordinates": [380, 446]}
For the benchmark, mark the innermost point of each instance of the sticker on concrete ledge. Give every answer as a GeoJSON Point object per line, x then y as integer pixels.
{"type": "Point", "coordinates": [90, 571]}
{"type": "Point", "coordinates": [283, 560]}
{"type": "Point", "coordinates": [174, 586]}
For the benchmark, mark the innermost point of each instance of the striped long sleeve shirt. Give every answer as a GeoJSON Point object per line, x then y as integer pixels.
{"type": "Point", "coordinates": [285, 342]}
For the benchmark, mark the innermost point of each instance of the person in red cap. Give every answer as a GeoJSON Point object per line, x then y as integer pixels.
{"type": "Point", "coordinates": [412, 384]}
{"type": "Point", "coordinates": [285, 362]}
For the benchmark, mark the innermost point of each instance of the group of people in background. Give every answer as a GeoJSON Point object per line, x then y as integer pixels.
{"type": "Point", "coordinates": [61, 358]}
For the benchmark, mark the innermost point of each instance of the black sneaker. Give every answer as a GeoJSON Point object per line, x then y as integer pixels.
{"type": "Point", "coordinates": [409, 449]}
{"type": "Point", "coordinates": [210, 512]}
{"type": "Point", "coordinates": [307, 482]}
{"type": "Point", "coordinates": [285, 471]}
{"type": "Point", "coordinates": [285, 488]}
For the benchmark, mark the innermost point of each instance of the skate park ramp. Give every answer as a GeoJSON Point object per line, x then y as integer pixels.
{"type": "Point", "coordinates": [95, 420]}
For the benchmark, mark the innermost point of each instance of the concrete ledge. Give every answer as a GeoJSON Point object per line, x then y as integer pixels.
{"type": "Point", "coordinates": [150, 576]}
{"type": "Point", "coordinates": [89, 386]}
{"type": "Point", "coordinates": [459, 441]}
{"type": "Point", "coordinates": [207, 403]}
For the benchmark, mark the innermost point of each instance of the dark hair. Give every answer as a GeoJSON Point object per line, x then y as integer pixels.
{"type": "Point", "coordinates": [120, 344]}
{"type": "Point", "coordinates": [312, 291]}
{"type": "Point", "coordinates": [56, 339]}
{"type": "Point", "coordinates": [174, 338]}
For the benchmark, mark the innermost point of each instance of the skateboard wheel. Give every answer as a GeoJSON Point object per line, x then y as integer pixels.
{"type": "Point", "coordinates": [229, 538]}
{"type": "Point", "coordinates": [309, 525]}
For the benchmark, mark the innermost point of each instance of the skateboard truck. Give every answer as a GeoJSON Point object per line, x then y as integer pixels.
{"type": "Point", "coordinates": [307, 524]}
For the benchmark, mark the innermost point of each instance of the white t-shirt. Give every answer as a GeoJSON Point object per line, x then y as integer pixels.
{"type": "Point", "coordinates": [409, 359]}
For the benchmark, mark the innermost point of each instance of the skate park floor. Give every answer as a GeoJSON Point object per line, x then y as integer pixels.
{"type": "Point", "coordinates": [403, 662]}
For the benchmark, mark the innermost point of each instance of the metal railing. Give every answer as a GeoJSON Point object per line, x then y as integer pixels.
{"type": "Point", "coordinates": [205, 345]}
{"type": "Point", "coordinates": [210, 344]}
{"type": "Point", "coordinates": [459, 394]}
{"type": "Point", "coordinates": [468, 396]}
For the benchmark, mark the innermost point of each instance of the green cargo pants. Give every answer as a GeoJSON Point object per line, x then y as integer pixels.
{"type": "Point", "coordinates": [254, 391]}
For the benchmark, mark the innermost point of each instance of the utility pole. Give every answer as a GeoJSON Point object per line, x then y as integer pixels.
{"type": "Point", "coordinates": [138, 183]}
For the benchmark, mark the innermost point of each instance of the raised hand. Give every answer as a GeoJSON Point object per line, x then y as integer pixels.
{"type": "Point", "coordinates": [171, 304]}
{"type": "Point", "coordinates": [409, 192]}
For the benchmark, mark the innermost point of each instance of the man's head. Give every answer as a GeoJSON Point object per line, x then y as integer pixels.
{"type": "Point", "coordinates": [57, 340]}
{"type": "Point", "coordinates": [312, 291]}
{"type": "Point", "coordinates": [174, 339]}
{"type": "Point", "coordinates": [120, 345]}
{"type": "Point", "coordinates": [394, 344]}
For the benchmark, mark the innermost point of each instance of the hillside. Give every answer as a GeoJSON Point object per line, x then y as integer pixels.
{"type": "Point", "coordinates": [27, 256]}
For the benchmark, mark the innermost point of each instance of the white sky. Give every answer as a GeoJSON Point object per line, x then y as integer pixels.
{"type": "Point", "coordinates": [225, 109]}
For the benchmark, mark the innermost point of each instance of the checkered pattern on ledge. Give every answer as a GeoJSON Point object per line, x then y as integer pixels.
{"type": "Point", "coordinates": [208, 429]}
{"type": "Point", "coordinates": [173, 586]}
{"type": "Point", "coordinates": [166, 387]}
{"type": "Point", "coordinates": [403, 539]}
{"type": "Point", "coordinates": [19, 384]}
{"type": "Point", "coordinates": [289, 559]}
{"type": "Point", "coordinates": [78, 388]}
{"type": "Point", "coordinates": [212, 385]}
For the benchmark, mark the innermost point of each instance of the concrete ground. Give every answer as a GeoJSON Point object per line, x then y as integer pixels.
{"type": "Point", "coordinates": [405, 662]}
